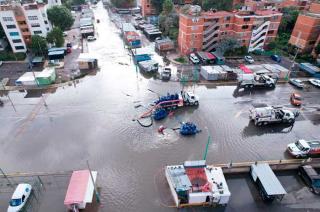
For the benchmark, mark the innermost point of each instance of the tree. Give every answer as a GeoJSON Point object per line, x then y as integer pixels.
{"type": "Point", "coordinates": [157, 4]}
{"type": "Point", "coordinates": [317, 49]}
{"type": "Point", "coordinates": [218, 5]}
{"type": "Point", "coordinates": [227, 44]}
{"type": "Point", "coordinates": [56, 37]}
{"type": "Point", "coordinates": [61, 17]}
{"type": "Point", "coordinates": [38, 45]}
{"type": "Point", "coordinates": [123, 3]}
{"type": "Point", "coordinates": [167, 7]}
{"type": "Point", "coordinates": [289, 18]}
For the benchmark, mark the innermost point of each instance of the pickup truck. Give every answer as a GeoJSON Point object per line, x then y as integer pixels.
{"type": "Point", "coordinates": [253, 80]}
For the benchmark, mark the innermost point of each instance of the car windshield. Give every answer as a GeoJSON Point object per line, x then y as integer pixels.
{"type": "Point", "coordinates": [15, 202]}
{"type": "Point", "coordinates": [298, 97]}
{"type": "Point", "coordinates": [316, 183]}
{"type": "Point", "coordinates": [300, 147]}
{"type": "Point", "coordinates": [249, 57]}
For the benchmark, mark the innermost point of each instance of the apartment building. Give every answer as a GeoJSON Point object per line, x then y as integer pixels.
{"type": "Point", "coordinates": [276, 5]}
{"type": "Point", "coordinates": [306, 32]}
{"type": "Point", "coordinates": [203, 31]}
{"type": "Point", "coordinates": [15, 26]}
{"type": "Point", "coordinates": [21, 21]}
{"type": "Point", "coordinates": [37, 20]}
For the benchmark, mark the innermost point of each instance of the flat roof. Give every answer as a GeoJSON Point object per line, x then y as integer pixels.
{"type": "Point", "coordinates": [268, 179]}
{"type": "Point", "coordinates": [80, 189]}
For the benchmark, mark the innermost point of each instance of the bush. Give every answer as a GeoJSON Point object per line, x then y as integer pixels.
{"type": "Point", "coordinates": [10, 56]}
{"type": "Point", "coordinates": [181, 60]}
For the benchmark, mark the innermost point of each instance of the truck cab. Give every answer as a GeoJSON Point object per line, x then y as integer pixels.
{"type": "Point", "coordinates": [189, 98]}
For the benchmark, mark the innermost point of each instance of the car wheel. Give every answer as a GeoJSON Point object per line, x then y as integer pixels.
{"type": "Point", "coordinates": [290, 121]}
{"type": "Point", "coordinates": [259, 124]}
{"type": "Point", "coordinates": [265, 123]}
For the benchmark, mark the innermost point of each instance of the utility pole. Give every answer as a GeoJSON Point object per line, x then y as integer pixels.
{"type": "Point", "coordinates": [295, 56]}
{"type": "Point", "coordinates": [207, 147]}
{"type": "Point", "coordinates": [4, 89]}
{"type": "Point", "coordinates": [94, 185]}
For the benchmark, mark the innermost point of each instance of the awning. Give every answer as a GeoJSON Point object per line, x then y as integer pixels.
{"type": "Point", "coordinates": [80, 189]}
{"type": "Point", "coordinates": [245, 69]}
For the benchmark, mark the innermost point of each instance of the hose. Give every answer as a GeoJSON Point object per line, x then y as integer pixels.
{"type": "Point", "coordinates": [146, 125]}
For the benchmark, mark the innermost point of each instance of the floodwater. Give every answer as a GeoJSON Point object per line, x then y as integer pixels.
{"type": "Point", "coordinates": [94, 120]}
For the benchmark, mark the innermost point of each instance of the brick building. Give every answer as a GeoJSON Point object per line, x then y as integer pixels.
{"type": "Point", "coordinates": [276, 5]}
{"type": "Point", "coordinates": [204, 30]}
{"type": "Point", "coordinates": [306, 32]}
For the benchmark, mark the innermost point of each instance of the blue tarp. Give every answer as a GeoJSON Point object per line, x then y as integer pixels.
{"type": "Point", "coordinates": [310, 69]}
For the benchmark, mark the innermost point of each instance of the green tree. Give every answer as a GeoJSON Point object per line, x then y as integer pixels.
{"type": "Point", "coordinates": [289, 18]}
{"type": "Point", "coordinates": [38, 45]}
{"type": "Point", "coordinates": [167, 7]}
{"type": "Point", "coordinates": [56, 37]}
{"type": "Point", "coordinates": [157, 4]}
{"type": "Point", "coordinates": [61, 17]}
{"type": "Point", "coordinates": [2, 33]}
{"type": "Point", "coordinates": [217, 4]}
{"type": "Point", "coordinates": [227, 44]}
{"type": "Point", "coordinates": [123, 3]}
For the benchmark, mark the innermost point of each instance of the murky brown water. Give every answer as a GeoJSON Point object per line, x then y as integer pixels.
{"type": "Point", "coordinates": [93, 121]}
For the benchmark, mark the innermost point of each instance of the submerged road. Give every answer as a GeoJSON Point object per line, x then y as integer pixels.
{"type": "Point", "coordinates": [95, 120]}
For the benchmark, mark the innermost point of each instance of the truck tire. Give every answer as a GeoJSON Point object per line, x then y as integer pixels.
{"type": "Point", "coordinates": [251, 86]}
{"type": "Point", "coordinates": [196, 103]}
{"type": "Point", "coordinates": [187, 103]}
{"type": "Point", "coordinates": [259, 124]}
{"type": "Point", "coordinates": [265, 123]}
{"type": "Point", "coordinates": [246, 86]}
{"type": "Point", "coordinates": [290, 121]}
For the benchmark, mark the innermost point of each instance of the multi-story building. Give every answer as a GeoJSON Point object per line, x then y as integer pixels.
{"type": "Point", "coordinates": [276, 5]}
{"type": "Point", "coordinates": [203, 31]}
{"type": "Point", "coordinates": [306, 32]}
{"type": "Point", "coordinates": [21, 21]}
{"type": "Point", "coordinates": [15, 26]}
{"type": "Point", "coordinates": [37, 20]}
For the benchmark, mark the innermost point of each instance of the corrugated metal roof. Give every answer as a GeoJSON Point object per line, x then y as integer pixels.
{"type": "Point", "coordinates": [195, 163]}
{"type": "Point", "coordinates": [268, 179]}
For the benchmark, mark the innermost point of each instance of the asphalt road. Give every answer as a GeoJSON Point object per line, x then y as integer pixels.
{"type": "Point", "coordinates": [95, 120]}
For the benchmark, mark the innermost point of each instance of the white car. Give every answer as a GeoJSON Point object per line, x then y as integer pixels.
{"type": "Point", "coordinates": [296, 82]}
{"type": "Point", "coordinates": [249, 59]}
{"type": "Point", "coordinates": [91, 38]}
{"type": "Point", "coordinates": [194, 59]}
{"type": "Point", "coordinates": [315, 82]}
{"type": "Point", "coordinates": [19, 197]}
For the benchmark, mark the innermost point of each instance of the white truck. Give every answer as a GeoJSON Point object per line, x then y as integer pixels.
{"type": "Point", "coordinates": [303, 148]}
{"type": "Point", "coordinates": [254, 80]}
{"type": "Point", "coordinates": [267, 115]}
{"type": "Point", "coordinates": [189, 98]}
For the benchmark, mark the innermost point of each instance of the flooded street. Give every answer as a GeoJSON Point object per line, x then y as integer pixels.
{"type": "Point", "coordinates": [95, 120]}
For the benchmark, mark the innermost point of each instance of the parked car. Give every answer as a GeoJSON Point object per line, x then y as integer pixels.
{"type": "Point", "coordinates": [276, 58]}
{"type": "Point", "coordinates": [249, 59]}
{"type": "Point", "coordinates": [296, 82]}
{"type": "Point", "coordinates": [296, 99]}
{"type": "Point", "coordinates": [91, 38]}
{"type": "Point", "coordinates": [310, 177]}
{"type": "Point", "coordinates": [315, 82]}
{"type": "Point", "coordinates": [194, 59]}
{"type": "Point", "coordinates": [19, 197]}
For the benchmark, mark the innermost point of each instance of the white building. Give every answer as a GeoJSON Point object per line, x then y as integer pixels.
{"type": "Point", "coordinates": [12, 30]}
{"type": "Point", "coordinates": [37, 20]}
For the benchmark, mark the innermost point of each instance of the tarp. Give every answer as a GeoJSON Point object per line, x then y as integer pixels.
{"type": "Point", "coordinates": [210, 56]}
{"type": "Point", "coordinates": [80, 188]}
{"type": "Point", "coordinates": [245, 69]}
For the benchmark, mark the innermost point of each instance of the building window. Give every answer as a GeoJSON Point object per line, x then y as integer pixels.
{"type": "Point", "coordinates": [22, 22]}
{"type": "Point", "coordinates": [46, 22]}
{"type": "Point", "coordinates": [16, 40]}
{"type": "Point", "coordinates": [11, 26]}
{"type": "Point", "coordinates": [227, 25]}
{"type": "Point", "coordinates": [33, 17]}
{"type": "Point", "coordinates": [7, 19]}
{"type": "Point", "coordinates": [37, 32]}
{"type": "Point", "coordinates": [19, 47]}
{"type": "Point", "coordinates": [25, 30]}
{"type": "Point", "coordinates": [246, 19]}
{"type": "Point", "coordinates": [48, 29]}
{"type": "Point", "coordinates": [194, 27]}
{"type": "Point", "coordinates": [270, 32]}
{"type": "Point", "coordinates": [274, 17]}
{"type": "Point", "coordinates": [43, 15]}
{"type": "Point", "coordinates": [312, 42]}
{"type": "Point", "coordinates": [35, 25]}
{"type": "Point", "coordinates": [14, 33]}
{"type": "Point", "coordinates": [227, 18]}
{"type": "Point", "coordinates": [245, 27]}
